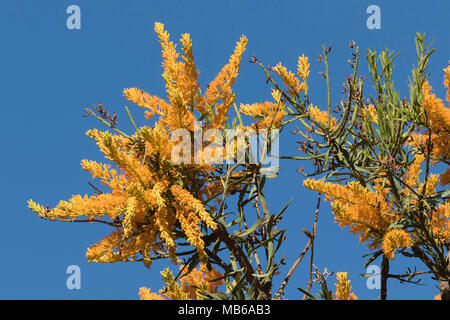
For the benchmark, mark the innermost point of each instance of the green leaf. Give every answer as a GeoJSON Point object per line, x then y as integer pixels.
{"type": "Point", "coordinates": [249, 230]}
{"type": "Point", "coordinates": [373, 258]}
{"type": "Point", "coordinates": [308, 294]}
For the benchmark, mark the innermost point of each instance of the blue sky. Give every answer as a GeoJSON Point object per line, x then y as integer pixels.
{"type": "Point", "coordinates": [49, 74]}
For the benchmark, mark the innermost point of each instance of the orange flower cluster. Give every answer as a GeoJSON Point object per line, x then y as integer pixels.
{"type": "Point", "coordinates": [394, 239]}
{"type": "Point", "coordinates": [219, 93]}
{"type": "Point", "coordinates": [152, 200]}
{"type": "Point", "coordinates": [365, 211]}
{"type": "Point", "coordinates": [369, 112]}
{"type": "Point", "coordinates": [183, 88]}
{"type": "Point", "coordinates": [322, 116]}
{"type": "Point", "coordinates": [370, 213]}
{"type": "Point", "coordinates": [268, 114]}
{"type": "Point", "coordinates": [303, 67]}
{"type": "Point", "coordinates": [290, 80]}
{"type": "Point", "coordinates": [439, 116]}
{"type": "Point", "coordinates": [142, 205]}
{"type": "Point", "coordinates": [188, 286]}
{"type": "Point", "coordinates": [343, 288]}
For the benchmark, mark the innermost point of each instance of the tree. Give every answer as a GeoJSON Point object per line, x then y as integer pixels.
{"type": "Point", "coordinates": [188, 187]}
{"type": "Point", "coordinates": [378, 146]}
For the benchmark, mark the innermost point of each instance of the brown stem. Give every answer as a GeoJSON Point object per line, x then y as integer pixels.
{"type": "Point", "coordinates": [408, 275]}
{"type": "Point", "coordinates": [112, 224]}
{"type": "Point", "coordinates": [242, 259]}
{"type": "Point", "coordinates": [311, 260]}
{"type": "Point", "coordinates": [384, 277]}
{"type": "Point", "coordinates": [291, 271]}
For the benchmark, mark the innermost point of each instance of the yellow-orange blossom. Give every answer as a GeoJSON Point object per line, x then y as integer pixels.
{"type": "Point", "coordinates": [369, 213]}
{"type": "Point", "coordinates": [147, 199]}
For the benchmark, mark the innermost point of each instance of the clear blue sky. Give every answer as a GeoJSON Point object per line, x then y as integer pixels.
{"type": "Point", "coordinates": [48, 74]}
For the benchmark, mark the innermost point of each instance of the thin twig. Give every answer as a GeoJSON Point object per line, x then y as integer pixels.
{"type": "Point", "coordinates": [311, 262]}
{"type": "Point", "coordinates": [90, 112]}
{"type": "Point", "coordinates": [131, 119]}
{"type": "Point", "coordinates": [409, 275]}
{"type": "Point", "coordinates": [97, 190]}
{"type": "Point", "coordinates": [384, 277]}
{"type": "Point", "coordinates": [112, 224]}
{"type": "Point", "coordinates": [291, 271]}
{"type": "Point", "coordinates": [241, 258]}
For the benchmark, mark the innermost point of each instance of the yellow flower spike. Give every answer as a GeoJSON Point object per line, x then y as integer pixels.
{"type": "Point", "coordinates": [189, 202]}
{"type": "Point", "coordinates": [187, 287]}
{"type": "Point", "coordinates": [92, 207]}
{"type": "Point", "coordinates": [369, 112]}
{"type": "Point", "coordinates": [169, 52]}
{"type": "Point", "coordinates": [201, 277]}
{"type": "Point", "coordinates": [145, 294]}
{"type": "Point", "coordinates": [276, 94]}
{"type": "Point", "coordinates": [144, 100]}
{"type": "Point", "coordinates": [173, 290]}
{"type": "Point", "coordinates": [137, 96]}
{"type": "Point", "coordinates": [343, 288]}
{"type": "Point", "coordinates": [447, 81]}
{"type": "Point", "coordinates": [441, 221]}
{"type": "Point", "coordinates": [267, 112]}
{"type": "Point", "coordinates": [439, 116]}
{"type": "Point", "coordinates": [413, 173]}
{"type": "Point", "coordinates": [365, 211]}
{"type": "Point", "coordinates": [37, 208]}
{"type": "Point", "coordinates": [322, 116]}
{"type": "Point", "coordinates": [178, 76]}
{"type": "Point", "coordinates": [289, 79]}
{"type": "Point", "coordinates": [178, 115]}
{"type": "Point", "coordinates": [433, 181]}
{"type": "Point", "coordinates": [330, 189]}
{"type": "Point", "coordinates": [439, 122]}
{"type": "Point", "coordinates": [129, 216]}
{"type": "Point", "coordinates": [112, 248]}
{"type": "Point", "coordinates": [157, 141]}
{"type": "Point", "coordinates": [220, 88]}
{"type": "Point", "coordinates": [437, 112]}
{"type": "Point", "coordinates": [303, 67]}
{"type": "Point", "coordinates": [188, 80]}
{"type": "Point", "coordinates": [108, 176]}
